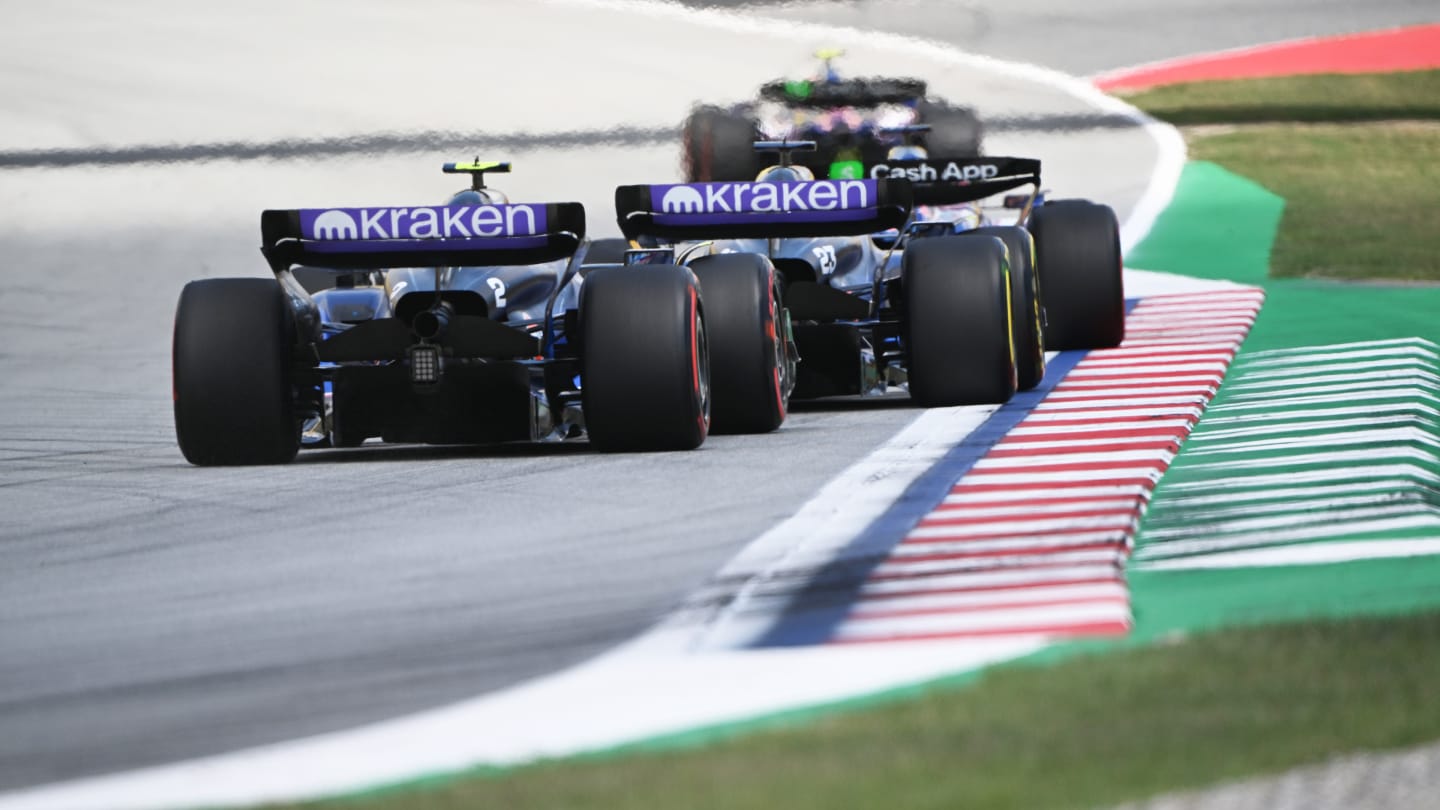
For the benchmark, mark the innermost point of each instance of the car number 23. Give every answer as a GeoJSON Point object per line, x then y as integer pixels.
{"type": "Point", "coordinates": [825, 257]}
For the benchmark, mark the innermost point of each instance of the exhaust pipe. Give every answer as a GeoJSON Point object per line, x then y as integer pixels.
{"type": "Point", "coordinates": [432, 323]}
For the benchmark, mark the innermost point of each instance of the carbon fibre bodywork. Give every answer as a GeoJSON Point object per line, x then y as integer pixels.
{"type": "Point", "coordinates": [506, 376]}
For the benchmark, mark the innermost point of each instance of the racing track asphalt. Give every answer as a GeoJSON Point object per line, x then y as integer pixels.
{"type": "Point", "coordinates": [151, 611]}
{"type": "Point", "coordinates": [1089, 37]}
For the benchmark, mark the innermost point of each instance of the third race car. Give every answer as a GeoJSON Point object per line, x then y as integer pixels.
{"type": "Point", "coordinates": [853, 120]}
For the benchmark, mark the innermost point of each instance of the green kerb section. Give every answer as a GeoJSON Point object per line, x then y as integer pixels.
{"type": "Point", "coordinates": [1170, 601]}
{"type": "Point", "coordinates": [1222, 226]}
{"type": "Point", "coordinates": [1218, 226]}
{"type": "Point", "coordinates": [1300, 312]}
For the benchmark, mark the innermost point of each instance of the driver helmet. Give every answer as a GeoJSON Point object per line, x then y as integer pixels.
{"type": "Point", "coordinates": [828, 74]}
{"type": "Point", "coordinates": [784, 174]}
{"type": "Point", "coordinates": [907, 151]}
{"type": "Point", "coordinates": [484, 196]}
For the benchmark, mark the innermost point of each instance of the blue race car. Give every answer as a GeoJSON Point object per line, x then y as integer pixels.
{"type": "Point", "coordinates": [853, 120]}
{"type": "Point", "coordinates": [478, 321]}
{"type": "Point", "coordinates": [876, 297]}
{"type": "Point", "coordinates": [1064, 255]}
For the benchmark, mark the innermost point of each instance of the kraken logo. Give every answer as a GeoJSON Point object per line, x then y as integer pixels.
{"type": "Point", "coordinates": [335, 225]}
{"type": "Point", "coordinates": [682, 200]}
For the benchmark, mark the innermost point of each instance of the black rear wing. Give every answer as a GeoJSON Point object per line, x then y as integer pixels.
{"type": "Point", "coordinates": [950, 181]}
{"type": "Point", "coordinates": [810, 208]}
{"type": "Point", "coordinates": [855, 92]}
{"type": "Point", "coordinates": [424, 236]}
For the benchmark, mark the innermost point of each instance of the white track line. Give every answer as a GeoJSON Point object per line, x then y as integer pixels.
{"type": "Point", "coordinates": [1303, 554]}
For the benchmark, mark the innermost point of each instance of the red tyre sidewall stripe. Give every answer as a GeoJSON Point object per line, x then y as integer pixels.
{"type": "Point", "coordinates": [772, 332]}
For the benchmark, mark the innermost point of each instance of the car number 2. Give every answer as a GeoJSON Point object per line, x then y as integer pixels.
{"type": "Point", "coordinates": [498, 287]}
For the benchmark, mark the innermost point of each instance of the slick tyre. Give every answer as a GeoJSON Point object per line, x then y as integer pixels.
{"type": "Point", "coordinates": [956, 323]}
{"type": "Point", "coordinates": [644, 359]}
{"type": "Point", "coordinates": [749, 377]}
{"type": "Point", "coordinates": [233, 368]}
{"type": "Point", "coordinates": [1025, 300]}
{"type": "Point", "coordinates": [1077, 254]}
{"type": "Point", "coordinates": [954, 131]}
{"type": "Point", "coordinates": [719, 146]}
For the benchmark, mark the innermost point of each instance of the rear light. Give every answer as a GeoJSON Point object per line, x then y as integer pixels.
{"type": "Point", "coordinates": [425, 364]}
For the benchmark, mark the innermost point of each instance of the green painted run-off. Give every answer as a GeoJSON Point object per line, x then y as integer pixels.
{"type": "Point", "coordinates": [1221, 226]}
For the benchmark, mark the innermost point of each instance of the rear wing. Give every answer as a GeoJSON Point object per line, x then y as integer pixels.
{"type": "Point", "coordinates": [950, 181]}
{"type": "Point", "coordinates": [856, 92]}
{"type": "Point", "coordinates": [451, 236]}
{"type": "Point", "coordinates": [761, 210]}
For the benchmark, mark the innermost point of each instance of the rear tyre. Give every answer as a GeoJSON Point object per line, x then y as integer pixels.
{"type": "Point", "coordinates": [1077, 254]}
{"type": "Point", "coordinates": [1024, 303]}
{"type": "Point", "coordinates": [957, 321]}
{"type": "Point", "coordinates": [719, 146]}
{"type": "Point", "coordinates": [233, 370]}
{"type": "Point", "coordinates": [749, 373]}
{"type": "Point", "coordinates": [954, 131]}
{"type": "Point", "coordinates": [644, 360]}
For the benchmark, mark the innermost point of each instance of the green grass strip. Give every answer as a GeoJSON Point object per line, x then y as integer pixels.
{"type": "Point", "coordinates": [1360, 200]}
{"type": "Point", "coordinates": [1360, 197]}
{"type": "Point", "coordinates": [1089, 731]}
{"type": "Point", "coordinates": [1326, 97]}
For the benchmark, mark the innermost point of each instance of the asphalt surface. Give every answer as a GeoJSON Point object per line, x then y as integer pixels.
{"type": "Point", "coordinates": [1363, 780]}
{"type": "Point", "coordinates": [1085, 38]}
{"type": "Point", "coordinates": [151, 611]}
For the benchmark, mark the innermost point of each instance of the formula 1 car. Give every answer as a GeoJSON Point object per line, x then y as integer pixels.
{"type": "Point", "coordinates": [1064, 255]}
{"type": "Point", "coordinates": [951, 311]}
{"type": "Point", "coordinates": [851, 119]}
{"type": "Point", "coordinates": [473, 322]}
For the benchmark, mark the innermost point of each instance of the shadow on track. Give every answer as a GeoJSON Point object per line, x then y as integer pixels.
{"type": "Point", "coordinates": [854, 404]}
{"type": "Point", "coordinates": [438, 452]}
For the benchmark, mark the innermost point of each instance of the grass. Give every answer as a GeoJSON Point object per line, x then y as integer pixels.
{"type": "Point", "coordinates": [1089, 731]}
{"type": "Point", "coordinates": [1298, 99]}
{"type": "Point", "coordinates": [1361, 199]}
{"type": "Point", "coordinates": [1361, 202]}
